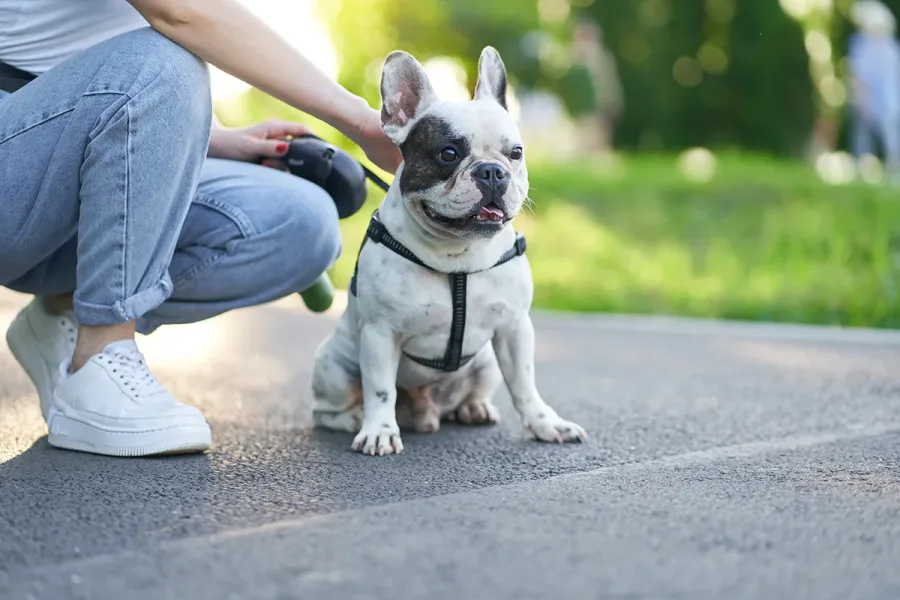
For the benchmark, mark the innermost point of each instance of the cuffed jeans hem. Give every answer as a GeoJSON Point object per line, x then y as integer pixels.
{"type": "Point", "coordinates": [123, 311]}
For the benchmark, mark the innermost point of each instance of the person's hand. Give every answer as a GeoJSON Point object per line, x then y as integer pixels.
{"type": "Point", "coordinates": [380, 149]}
{"type": "Point", "coordinates": [262, 142]}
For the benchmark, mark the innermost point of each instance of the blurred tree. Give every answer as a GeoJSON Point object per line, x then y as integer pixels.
{"type": "Point", "coordinates": [715, 73]}
{"type": "Point", "coordinates": [365, 31]}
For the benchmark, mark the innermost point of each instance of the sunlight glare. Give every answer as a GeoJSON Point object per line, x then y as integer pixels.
{"type": "Point", "coordinates": [297, 22]}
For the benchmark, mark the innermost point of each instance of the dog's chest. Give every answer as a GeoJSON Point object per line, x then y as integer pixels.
{"type": "Point", "coordinates": [490, 301]}
{"type": "Point", "coordinates": [419, 303]}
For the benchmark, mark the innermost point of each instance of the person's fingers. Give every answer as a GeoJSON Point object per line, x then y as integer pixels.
{"type": "Point", "coordinates": [283, 129]}
{"type": "Point", "coordinates": [274, 163]}
{"type": "Point", "coordinates": [269, 148]}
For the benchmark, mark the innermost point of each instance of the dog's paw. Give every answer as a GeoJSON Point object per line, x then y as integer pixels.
{"type": "Point", "coordinates": [349, 420]}
{"type": "Point", "coordinates": [478, 412]}
{"type": "Point", "coordinates": [428, 422]}
{"type": "Point", "coordinates": [378, 439]}
{"type": "Point", "coordinates": [551, 428]}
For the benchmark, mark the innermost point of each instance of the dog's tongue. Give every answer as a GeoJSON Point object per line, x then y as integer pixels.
{"type": "Point", "coordinates": [491, 212]}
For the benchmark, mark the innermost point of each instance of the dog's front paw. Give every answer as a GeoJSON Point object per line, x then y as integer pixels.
{"type": "Point", "coordinates": [378, 438]}
{"type": "Point", "coordinates": [551, 428]}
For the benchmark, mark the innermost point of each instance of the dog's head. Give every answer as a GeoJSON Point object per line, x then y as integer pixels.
{"type": "Point", "coordinates": [464, 168]}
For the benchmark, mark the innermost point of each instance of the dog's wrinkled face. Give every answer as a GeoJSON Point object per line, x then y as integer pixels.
{"type": "Point", "coordinates": [464, 169]}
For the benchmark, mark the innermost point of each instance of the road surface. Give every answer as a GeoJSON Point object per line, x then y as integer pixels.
{"type": "Point", "coordinates": [725, 461]}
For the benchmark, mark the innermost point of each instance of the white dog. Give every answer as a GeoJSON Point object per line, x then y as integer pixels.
{"type": "Point", "coordinates": [438, 313]}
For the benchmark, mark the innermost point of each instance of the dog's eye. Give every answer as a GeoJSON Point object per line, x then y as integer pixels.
{"type": "Point", "coordinates": [516, 153]}
{"type": "Point", "coordinates": [449, 155]}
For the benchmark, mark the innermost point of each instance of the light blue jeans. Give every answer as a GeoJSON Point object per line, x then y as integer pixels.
{"type": "Point", "coordinates": [865, 134]}
{"type": "Point", "coordinates": [106, 191]}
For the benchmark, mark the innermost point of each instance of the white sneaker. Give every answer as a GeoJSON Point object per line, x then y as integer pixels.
{"type": "Point", "coordinates": [40, 341]}
{"type": "Point", "coordinates": [114, 405]}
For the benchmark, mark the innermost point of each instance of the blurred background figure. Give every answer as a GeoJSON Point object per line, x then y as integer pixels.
{"type": "Point", "coordinates": [595, 126]}
{"type": "Point", "coordinates": [874, 61]}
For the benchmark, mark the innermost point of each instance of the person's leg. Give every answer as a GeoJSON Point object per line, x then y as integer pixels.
{"type": "Point", "coordinates": [890, 140]}
{"type": "Point", "coordinates": [862, 141]}
{"type": "Point", "coordinates": [252, 235]}
{"type": "Point", "coordinates": [108, 145]}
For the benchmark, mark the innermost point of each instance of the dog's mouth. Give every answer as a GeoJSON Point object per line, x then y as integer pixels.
{"type": "Point", "coordinates": [488, 215]}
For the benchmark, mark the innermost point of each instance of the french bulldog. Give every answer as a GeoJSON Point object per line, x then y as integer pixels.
{"type": "Point", "coordinates": [448, 211]}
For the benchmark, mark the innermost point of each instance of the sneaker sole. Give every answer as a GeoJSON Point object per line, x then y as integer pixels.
{"type": "Point", "coordinates": [29, 359]}
{"type": "Point", "coordinates": [74, 434]}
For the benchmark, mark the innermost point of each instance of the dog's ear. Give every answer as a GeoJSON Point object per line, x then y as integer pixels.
{"type": "Point", "coordinates": [491, 77]}
{"type": "Point", "coordinates": [406, 93]}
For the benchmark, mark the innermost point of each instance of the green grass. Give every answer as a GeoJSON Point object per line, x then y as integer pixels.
{"type": "Point", "coordinates": [763, 240]}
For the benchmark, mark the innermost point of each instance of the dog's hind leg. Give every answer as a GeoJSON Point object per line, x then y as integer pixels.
{"type": "Point", "coordinates": [467, 398]}
{"type": "Point", "coordinates": [478, 407]}
{"type": "Point", "coordinates": [337, 393]}
{"type": "Point", "coordinates": [416, 411]}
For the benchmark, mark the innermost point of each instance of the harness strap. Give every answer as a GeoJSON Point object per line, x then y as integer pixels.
{"type": "Point", "coordinates": [379, 234]}
{"type": "Point", "coordinates": [453, 358]}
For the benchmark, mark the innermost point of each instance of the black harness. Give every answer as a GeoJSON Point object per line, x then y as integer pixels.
{"type": "Point", "coordinates": [453, 357]}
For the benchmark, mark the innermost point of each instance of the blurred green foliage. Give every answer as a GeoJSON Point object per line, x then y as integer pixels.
{"type": "Point", "coordinates": [763, 240]}
{"type": "Point", "coordinates": [715, 73]}
{"type": "Point", "coordinates": [719, 73]}
{"type": "Point", "coordinates": [365, 31]}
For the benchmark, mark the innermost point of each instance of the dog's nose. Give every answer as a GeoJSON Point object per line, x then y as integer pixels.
{"type": "Point", "coordinates": [490, 173]}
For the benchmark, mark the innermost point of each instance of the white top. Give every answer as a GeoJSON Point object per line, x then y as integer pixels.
{"type": "Point", "coordinates": [36, 35]}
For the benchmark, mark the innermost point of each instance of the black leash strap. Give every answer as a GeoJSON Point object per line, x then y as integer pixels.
{"type": "Point", "coordinates": [376, 179]}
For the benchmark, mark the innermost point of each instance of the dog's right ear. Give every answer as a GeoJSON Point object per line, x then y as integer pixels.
{"type": "Point", "coordinates": [406, 93]}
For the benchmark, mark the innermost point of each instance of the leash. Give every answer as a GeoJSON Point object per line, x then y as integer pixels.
{"type": "Point", "coordinates": [381, 183]}
{"type": "Point", "coordinates": [320, 295]}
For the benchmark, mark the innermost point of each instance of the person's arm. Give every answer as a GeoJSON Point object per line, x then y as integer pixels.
{"type": "Point", "coordinates": [227, 35]}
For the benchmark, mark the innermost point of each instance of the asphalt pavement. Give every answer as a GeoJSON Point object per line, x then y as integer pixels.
{"type": "Point", "coordinates": [726, 461]}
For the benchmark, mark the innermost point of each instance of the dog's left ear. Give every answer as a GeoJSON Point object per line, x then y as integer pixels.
{"type": "Point", "coordinates": [406, 93]}
{"type": "Point", "coordinates": [491, 77]}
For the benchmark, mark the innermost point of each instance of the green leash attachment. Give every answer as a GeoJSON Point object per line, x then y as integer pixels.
{"type": "Point", "coordinates": [320, 295]}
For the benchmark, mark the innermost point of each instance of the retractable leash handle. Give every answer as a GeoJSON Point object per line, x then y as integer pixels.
{"type": "Point", "coordinates": [344, 179]}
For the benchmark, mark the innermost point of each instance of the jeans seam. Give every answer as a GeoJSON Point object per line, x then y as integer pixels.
{"type": "Point", "coordinates": [240, 220]}
{"type": "Point", "coordinates": [44, 119]}
{"type": "Point", "coordinates": [47, 117]}
{"type": "Point", "coordinates": [192, 273]}
{"type": "Point", "coordinates": [126, 198]}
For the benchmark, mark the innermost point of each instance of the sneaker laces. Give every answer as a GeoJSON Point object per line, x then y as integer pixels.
{"type": "Point", "coordinates": [69, 329]}
{"type": "Point", "coordinates": [130, 368]}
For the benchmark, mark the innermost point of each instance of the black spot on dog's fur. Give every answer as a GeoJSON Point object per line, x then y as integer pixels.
{"type": "Point", "coordinates": [382, 395]}
{"type": "Point", "coordinates": [423, 168]}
